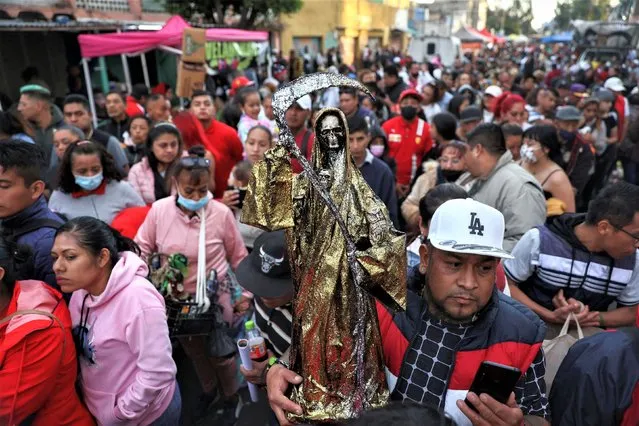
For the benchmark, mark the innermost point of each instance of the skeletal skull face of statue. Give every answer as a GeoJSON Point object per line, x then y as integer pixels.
{"type": "Point", "coordinates": [331, 133]}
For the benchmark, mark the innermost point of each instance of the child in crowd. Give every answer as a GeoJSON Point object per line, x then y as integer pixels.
{"type": "Point", "coordinates": [251, 107]}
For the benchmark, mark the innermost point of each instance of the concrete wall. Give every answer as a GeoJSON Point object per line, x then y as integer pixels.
{"type": "Point", "coordinates": [317, 18]}
{"type": "Point", "coordinates": [354, 21]}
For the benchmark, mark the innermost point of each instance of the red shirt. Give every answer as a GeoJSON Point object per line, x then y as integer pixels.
{"type": "Point", "coordinates": [219, 139]}
{"type": "Point", "coordinates": [408, 141]}
{"type": "Point", "coordinates": [133, 108]}
{"type": "Point", "coordinates": [38, 364]}
{"type": "Point", "coordinates": [299, 139]}
{"type": "Point", "coordinates": [620, 108]}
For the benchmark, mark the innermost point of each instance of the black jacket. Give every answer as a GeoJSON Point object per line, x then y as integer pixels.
{"type": "Point", "coordinates": [116, 128]}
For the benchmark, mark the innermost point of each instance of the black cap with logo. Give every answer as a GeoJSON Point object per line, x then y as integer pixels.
{"type": "Point", "coordinates": [266, 271]}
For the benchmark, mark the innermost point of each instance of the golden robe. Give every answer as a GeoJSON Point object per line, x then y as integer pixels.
{"type": "Point", "coordinates": [324, 307]}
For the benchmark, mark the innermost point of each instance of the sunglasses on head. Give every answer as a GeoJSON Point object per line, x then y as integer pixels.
{"type": "Point", "coordinates": [195, 162]}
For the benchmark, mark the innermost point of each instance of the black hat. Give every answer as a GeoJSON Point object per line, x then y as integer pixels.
{"type": "Point", "coordinates": [266, 272]}
{"type": "Point", "coordinates": [471, 113]}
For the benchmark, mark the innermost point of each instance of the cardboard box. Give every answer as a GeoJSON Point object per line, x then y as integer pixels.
{"type": "Point", "coordinates": [193, 45]}
{"type": "Point", "coordinates": [190, 77]}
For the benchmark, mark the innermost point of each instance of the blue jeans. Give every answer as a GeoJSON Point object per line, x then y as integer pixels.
{"type": "Point", "coordinates": [171, 416]}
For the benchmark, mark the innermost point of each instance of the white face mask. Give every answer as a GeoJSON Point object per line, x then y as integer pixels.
{"type": "Point", "coordinates": [528, 153]}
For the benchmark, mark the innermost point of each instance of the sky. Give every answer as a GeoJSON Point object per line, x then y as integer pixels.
{"type": "Point", "coordinates": [543, 10]}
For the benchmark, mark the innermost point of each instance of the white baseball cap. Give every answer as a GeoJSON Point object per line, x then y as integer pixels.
{"type": "Point", "coordinates": [468, 227]}
{"type": "Point", "coordinates": [615, 84]}
{"type": "Point", "coordinates": [305, 102]}
{"type": "Point", "coordinates": [494, 91]}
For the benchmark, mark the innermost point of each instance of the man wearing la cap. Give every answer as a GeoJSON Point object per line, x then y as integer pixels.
{"type": "Point", "coordinates": [266, 273]}
{"type": "Point", "coordinates": [433, 350]}
{"type": "Point", "coordinates": [409, 140]}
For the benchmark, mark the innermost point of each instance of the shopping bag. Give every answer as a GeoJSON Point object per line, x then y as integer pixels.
{"type": "Point", "coordinates": [556, 349]}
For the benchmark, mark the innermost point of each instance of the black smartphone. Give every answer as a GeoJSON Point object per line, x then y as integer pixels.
{"type": "Point", "coordinates": [496, 380]}
{"type": "Point", "coordinates": [241, 192]}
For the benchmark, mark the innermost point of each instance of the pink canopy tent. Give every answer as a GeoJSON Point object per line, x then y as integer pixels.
{"type": "Point", "coordinates": [139, 42]}
{"type": "Point", "coordinates": [96, 45]}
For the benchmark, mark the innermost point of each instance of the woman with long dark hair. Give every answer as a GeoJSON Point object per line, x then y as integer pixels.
{"type": "Point", "coordinates": [90, 185]}
{"type": "Point", "coordinates": [119, 326]}
{"type": "Point", "coordinates": [38, 368]}
{"type": "Point", "coordinates": [136, 144]}
{"type": "Point", "coordinates": [150, 177]}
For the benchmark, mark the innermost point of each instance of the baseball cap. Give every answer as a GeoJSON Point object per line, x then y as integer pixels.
{"type": "Point", "coordinates": [467, 226]}
{"type": "Point", "coordinates": [604, 95]}
{"type": "Point", "coordinates": [305, 102]}
{"type": "Point", "coordinates": [471, 113]}
{"type": "Point", "coordinates": [412, 93]}
{"type": "Point", "coordinates": [568, 113]}
{"type": "Point", "coordinates": [266, 271]}
{"type": "Point", "coordinates": [238, 83]}
{"type": "Point", "coordinates": [494, 91]}
{"type": "Point", "coordinates": [579, 90]}
{"type": "Point", "coordinates": [615, 84]}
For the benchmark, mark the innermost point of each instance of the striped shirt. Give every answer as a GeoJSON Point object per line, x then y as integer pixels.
{"type": "Point", "coordinates": [544, 263]}
{"type": "Point", "coordinates": [275, 325]}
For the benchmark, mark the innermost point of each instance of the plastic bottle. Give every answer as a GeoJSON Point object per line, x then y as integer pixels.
{"type": "Point", "coordinates": [256, 342]}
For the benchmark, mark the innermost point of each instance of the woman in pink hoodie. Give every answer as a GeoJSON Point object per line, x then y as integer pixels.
{"type": "Point", "coordinates": [119, 326]}
{"type": "Point", "coordinates": [173, 226]}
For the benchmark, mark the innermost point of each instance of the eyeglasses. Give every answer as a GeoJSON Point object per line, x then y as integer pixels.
{"type": "Point", "coordinates": [633, 236]}
{"type": "Point", "coordinates": [195, 162]}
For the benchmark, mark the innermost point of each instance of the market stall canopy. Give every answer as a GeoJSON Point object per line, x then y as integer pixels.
{"type": "Point", "coordinates": [96, 45]}
{"type": "Point", "coordinates": [493, 38]}
{"type": "Point", "coordinates": [468, 35]}
{"type": "Point", "coordinates": [565, 37]}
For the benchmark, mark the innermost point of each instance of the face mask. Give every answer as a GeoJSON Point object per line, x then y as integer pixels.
{"type": "Point", "coordinates": [409, 112]}
{"type": "Point", "coordinates": [192, 205]}
{"type": "Point", "coordinates": [89, 183]}
{"type": "Point", "coordinates": [567, 136]}
{"type": "Point", "coordinates": [451, 175]}
{"type": "Point", "coordinates": [528, 154]}
{"type": "Point", "coordinates": [377, 150]}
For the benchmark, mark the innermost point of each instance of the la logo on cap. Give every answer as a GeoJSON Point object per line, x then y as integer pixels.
{"type": "Point", "coordinates": [476, 228]}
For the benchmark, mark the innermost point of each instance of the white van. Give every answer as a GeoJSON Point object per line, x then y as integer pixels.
{"type": "Point", "coordinates": [422, 49]}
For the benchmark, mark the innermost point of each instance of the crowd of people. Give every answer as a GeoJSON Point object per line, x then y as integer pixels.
{"type": "Point", "coordinates": [513, 173]}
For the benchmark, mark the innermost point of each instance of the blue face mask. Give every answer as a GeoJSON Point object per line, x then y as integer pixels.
{"type": "Point", "coordinates": [192, 205]}
{"type": "Point", "coordinates": [89, 183]}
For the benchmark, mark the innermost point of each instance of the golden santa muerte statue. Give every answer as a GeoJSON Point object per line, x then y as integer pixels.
{"type": "Point", "coordinates": [343, 250]}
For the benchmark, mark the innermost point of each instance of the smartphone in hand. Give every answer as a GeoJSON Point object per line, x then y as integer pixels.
{"type": "Point", "coordinates": [496, 380]}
